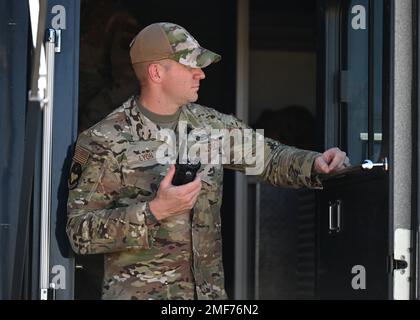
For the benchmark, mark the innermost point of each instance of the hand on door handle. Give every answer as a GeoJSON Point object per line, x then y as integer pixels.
{"type": "Point", "coordinates": [332, 160]}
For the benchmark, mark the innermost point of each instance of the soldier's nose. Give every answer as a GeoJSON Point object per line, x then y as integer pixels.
{"type": "Point", "coordinates": [199, 73]}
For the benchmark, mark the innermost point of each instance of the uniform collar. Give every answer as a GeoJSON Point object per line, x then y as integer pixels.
{"type": "Point", "coordinates": [142, 128]}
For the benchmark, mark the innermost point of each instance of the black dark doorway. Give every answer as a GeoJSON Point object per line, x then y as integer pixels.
{"type": "Point", "coordinates": [107, 80]}
{"type": "Point", "coordinates": [283, 61]}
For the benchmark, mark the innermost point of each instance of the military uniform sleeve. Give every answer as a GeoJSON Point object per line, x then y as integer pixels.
{"type": "Point", "coordinates": [98, 219]}
{"type": "Point", "coordinates": [277, 163]}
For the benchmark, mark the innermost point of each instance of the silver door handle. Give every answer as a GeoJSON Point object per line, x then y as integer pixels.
{"type": "Point", "coordinates": [368, 164]}
{"type": "Point", "coordinates": [334, 211]}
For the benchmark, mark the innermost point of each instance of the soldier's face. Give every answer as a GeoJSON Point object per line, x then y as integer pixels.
{"type": "Point", "coordinates": [181, 83]}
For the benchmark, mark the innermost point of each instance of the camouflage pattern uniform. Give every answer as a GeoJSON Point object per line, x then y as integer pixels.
{"type": "Point", "coordinates": [182, 47]}
{"type": "Point", "coordinates": [187, 49]}
{"type": "Point", "coordinates": [115, 173]}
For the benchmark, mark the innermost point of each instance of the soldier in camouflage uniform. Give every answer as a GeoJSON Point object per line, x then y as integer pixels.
{"type": "Point", "coordinates": [162, 241]}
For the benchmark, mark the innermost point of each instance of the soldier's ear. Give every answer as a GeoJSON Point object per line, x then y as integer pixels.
{"type": "Point", "coordinates": [155, 72]}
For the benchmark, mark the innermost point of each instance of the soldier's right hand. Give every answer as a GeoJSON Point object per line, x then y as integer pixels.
{"type": "Point", "coordinates": [174, 200]}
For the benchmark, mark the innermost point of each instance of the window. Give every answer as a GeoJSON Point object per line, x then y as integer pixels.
{"type": "Point", "coordinates": [361, 80]}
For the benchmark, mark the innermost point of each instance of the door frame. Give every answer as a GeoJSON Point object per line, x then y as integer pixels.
{"type": "Point", "coordinates": [415, 288]}
{"type": "Point", "coordinates": [401, 105]}
{"type": "Point", "coordinates": [242, 239]}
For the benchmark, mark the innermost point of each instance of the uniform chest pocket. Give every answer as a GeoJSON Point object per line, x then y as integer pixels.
{"type": "Point", "coordinates": [142, 173]}
{"type": "Point", "coordinates": [212, 183]}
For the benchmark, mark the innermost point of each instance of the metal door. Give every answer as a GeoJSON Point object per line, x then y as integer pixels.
{"type": "Point", "coordinates": [63, 15]}
{"type": "Point", "coordinates": [53, 250]}
{"type": "Point", "coordinates": [363, 247]}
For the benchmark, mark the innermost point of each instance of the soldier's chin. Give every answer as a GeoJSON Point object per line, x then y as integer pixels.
{"type": "Point", "coordinates": [194, 98]}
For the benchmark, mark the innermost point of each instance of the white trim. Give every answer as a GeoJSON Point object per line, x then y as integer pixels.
{"type": "Point", "coordinates": [402, 239]}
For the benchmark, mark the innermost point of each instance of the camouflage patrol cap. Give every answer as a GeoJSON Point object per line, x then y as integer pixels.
{"type": "Point", "coordinates": [165, 40]}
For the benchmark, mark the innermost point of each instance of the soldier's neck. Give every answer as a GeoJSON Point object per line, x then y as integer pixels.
{"type": "Point", "coordinates": [158, 105]}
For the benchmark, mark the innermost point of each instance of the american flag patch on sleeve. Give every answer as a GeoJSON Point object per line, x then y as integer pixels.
{"type": "Point", "coordinates": [81, 155]}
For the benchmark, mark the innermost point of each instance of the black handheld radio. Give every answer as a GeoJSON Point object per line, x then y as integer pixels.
{"type": "Point", "coordinates": [185, 172]}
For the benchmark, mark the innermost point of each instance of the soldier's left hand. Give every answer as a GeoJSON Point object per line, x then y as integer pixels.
{"type": "Point", "coordinates": [331, 160]}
